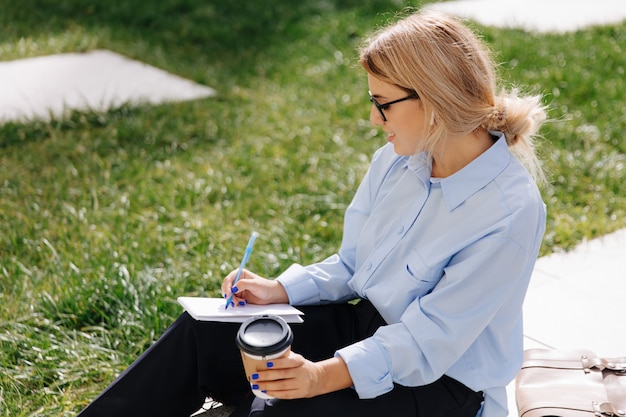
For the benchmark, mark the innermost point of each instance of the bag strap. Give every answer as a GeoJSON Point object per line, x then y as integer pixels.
{"type": "Point", "coordinates": [615, 385]}
{"type": "Point", "coordinates": [614, 364]}
{"type": "Point", "coordinates": [614, 377]}
{"type": "Point", "coordinates": [585, 361]}
{"type": "Point", "coordinates": [607, 409]}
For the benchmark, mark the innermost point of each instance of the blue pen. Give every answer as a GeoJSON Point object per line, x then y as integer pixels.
{"type": "Point", "coordinates": [244, 260]}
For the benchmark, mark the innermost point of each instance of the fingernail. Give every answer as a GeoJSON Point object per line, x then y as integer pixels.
{"type": "Point", "coordinates": [270, 364]}
{"type": "Point", "coordinates": [255, 376]}
{"type": "Point", "coordinates": [234, 290]}
{"type": "Point", "coordinates": [264, 391]}
{"type": "Point", "coordinates": [232, 304]}
{"type": "Point", "coordinates": [224, 295]}
{"type": "Point", "coordinates": [242, 303]}
{"type": "Point", "coordinates": [255, 386]}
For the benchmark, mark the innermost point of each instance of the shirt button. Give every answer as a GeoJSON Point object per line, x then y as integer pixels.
{"type": "Point", "coordinates": [369, 266]}
{"type": "Point", "coordinates": [400, 230]}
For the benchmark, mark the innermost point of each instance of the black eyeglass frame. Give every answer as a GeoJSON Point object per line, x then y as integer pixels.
{"type": "Point", "coordinates": [385, 106]}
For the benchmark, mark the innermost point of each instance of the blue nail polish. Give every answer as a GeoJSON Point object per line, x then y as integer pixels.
{"type": "Point", "coordinates": [232, 304]}
{"type": "Point", "coordinates": [255, 376]}
{"type": "Point", "coordinates": [264, 391]}
{"type": "Point", "coordinates": [242, 303]}
{"type": "Point", "coordinates": [270, 364]}
{"type": "Point", "coordinates": [255, 386]}
{"type": "Point", "coordinates": [234, 290]}
{"type": "Point", "coordinates": [224, 295]}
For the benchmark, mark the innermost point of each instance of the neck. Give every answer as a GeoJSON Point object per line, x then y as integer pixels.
{"type": "Point", "coordinates": [459, 151]}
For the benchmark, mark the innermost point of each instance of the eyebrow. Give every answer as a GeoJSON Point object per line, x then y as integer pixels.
{"type": "Point", "coordinates": [376, 95]}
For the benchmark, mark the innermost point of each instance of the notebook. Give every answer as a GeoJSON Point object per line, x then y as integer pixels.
{"type": "Point", "coordinates": [213, 309]}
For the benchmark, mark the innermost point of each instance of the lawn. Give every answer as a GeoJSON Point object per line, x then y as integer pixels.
{"type": "Point", "coordinates": [106, 218]}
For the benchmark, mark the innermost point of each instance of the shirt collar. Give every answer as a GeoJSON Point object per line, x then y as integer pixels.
{"type": "Point", "coordinates": [422, 166]}
{"type": "Point", "coordinates": [476, 175]}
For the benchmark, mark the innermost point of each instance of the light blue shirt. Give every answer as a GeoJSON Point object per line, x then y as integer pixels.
{"type": "Point", "coordinates": [446, 262]}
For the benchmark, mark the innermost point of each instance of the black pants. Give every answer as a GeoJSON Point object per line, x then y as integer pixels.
{"type": "Point", "coordinates": [194, 360]}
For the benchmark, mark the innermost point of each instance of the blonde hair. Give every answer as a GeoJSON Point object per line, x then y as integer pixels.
{"type": "Point", "coordinates": [452, 71]}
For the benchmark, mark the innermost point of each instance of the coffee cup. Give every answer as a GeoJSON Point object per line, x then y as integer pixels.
{"type": "Point", "coordinates": [262, 338]}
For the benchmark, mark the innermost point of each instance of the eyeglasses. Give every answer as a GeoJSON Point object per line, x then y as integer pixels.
{"type": "Point", "coordinates": [385, 106]}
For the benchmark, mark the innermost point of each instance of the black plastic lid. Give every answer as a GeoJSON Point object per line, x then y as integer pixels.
{"type": "Point", "coordinates": [264, 335]}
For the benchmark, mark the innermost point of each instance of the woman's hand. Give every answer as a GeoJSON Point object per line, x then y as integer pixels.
{"type": "Point", "coordinates": [296, 377]}
{"type": "Point", "coordinates": [254, 289]}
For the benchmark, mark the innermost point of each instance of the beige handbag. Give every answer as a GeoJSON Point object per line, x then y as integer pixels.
{"type": "Point", "coordinates": [570, 384]}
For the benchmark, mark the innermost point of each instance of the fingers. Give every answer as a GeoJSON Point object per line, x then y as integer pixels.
{"type": "Point", "coordinates": [249, 289]}
{"type": "Point", "coordinates": [238, 299]}
{"type": "Point", "coordinates": [280, 383]}
{"type": "Point", "coordinates": [282, 389]}
{"type": "Point", "coordinates": [228, 282]}
{"type": "Point", "coordinates": [279, 368]}
{"type": "Point", "coordinates": [254, 289]}
{"type": "Point", "coordinates": [284, 378]}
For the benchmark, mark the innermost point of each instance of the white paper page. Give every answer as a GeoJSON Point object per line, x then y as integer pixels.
{"type": "Point", "coordinates": [213, 309]}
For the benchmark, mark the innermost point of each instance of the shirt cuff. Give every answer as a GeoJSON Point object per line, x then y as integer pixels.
{"type": "Point", "coordinates": [300, 287]}
{"type": "Point", "coordinates": [368, 367]}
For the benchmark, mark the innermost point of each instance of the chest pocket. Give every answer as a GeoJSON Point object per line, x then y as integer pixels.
{"type": "Point", "coordinates": [421, 278]}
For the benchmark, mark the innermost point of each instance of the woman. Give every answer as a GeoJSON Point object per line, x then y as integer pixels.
{"type": "Point", "coordinates": [439, 244]}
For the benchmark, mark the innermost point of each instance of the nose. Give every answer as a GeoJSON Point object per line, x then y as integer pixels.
{"type": "Point", "coordinates": [375, 117]}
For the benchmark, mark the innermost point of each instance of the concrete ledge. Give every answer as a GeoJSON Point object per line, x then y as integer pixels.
{"type": "Point", "coordinates": [557, 16]}
{"type": "Point", "coordinates": [38, 88]}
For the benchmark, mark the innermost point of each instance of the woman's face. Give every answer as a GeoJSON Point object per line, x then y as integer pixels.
{"type": "Point", "coordinates": [405, 125]}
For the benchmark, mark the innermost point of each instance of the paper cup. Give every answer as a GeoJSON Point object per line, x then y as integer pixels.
{"type": "Point", "coordinates": [262, 338]}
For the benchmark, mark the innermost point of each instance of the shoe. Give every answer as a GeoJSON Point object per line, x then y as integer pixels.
{"type": "Point", "coordinates": [214, 409]}
{"type": "Point", "coordinates": [221, 411]}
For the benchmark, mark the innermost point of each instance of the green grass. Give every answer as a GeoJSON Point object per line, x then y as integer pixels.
{"type": "Point", "coordinates": [106, 218]}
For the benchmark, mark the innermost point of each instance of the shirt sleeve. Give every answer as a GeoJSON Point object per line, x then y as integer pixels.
{"type": "Point", "coordinates": [327, 281]}
{"type": "Point", "coordinates": [437, 329]}
{"type": "Point", "coordinates": [320, 283]}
